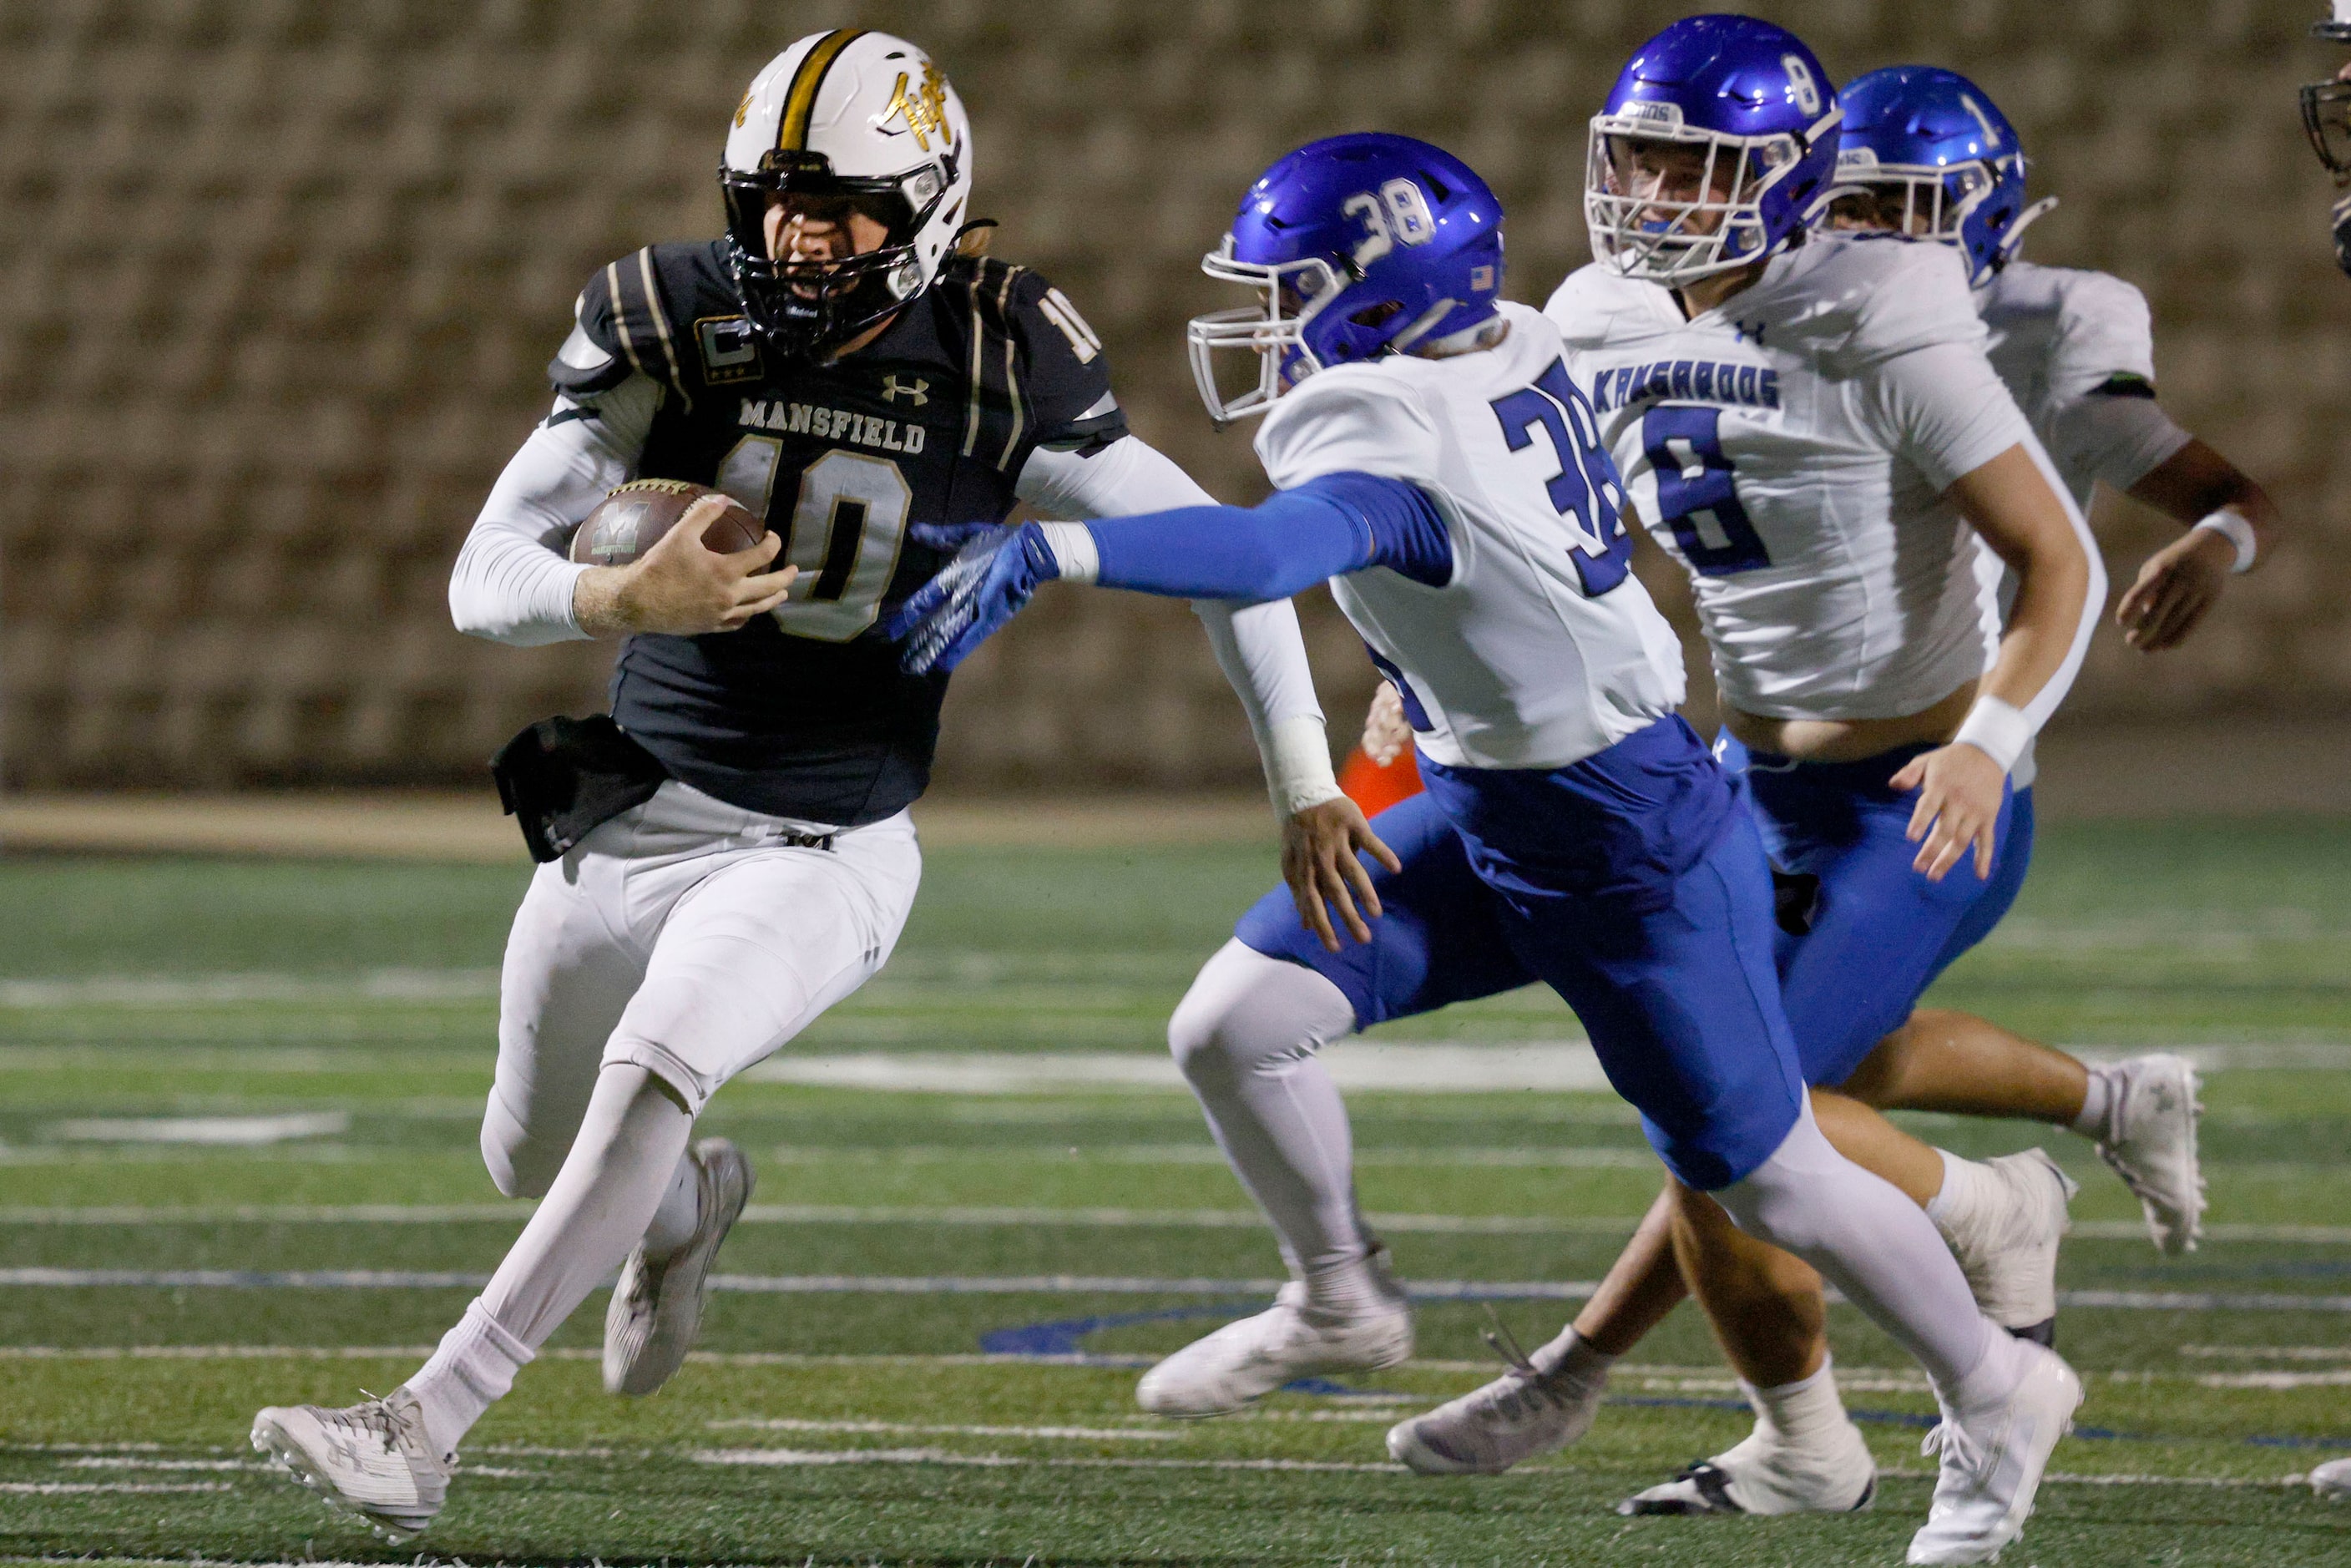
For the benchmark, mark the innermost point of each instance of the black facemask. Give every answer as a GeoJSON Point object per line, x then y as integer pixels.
{"type": "Point", "coordinates": [806, 308]}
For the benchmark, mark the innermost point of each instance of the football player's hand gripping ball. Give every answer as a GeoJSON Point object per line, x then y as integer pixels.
{"type": "Point", "coordinates": [994, 571]}
{"type": "Point", "coordinates": [683, 588]}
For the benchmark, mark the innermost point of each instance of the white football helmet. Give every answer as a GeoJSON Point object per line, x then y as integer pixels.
{"type": "Point", "coordinates": [865, 118]}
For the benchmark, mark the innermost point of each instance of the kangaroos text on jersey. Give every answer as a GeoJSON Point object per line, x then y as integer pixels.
{"type": "Point", "coordinates": [804, 713]}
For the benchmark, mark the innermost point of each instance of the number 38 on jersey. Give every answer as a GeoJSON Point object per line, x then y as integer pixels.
{"type": "Point", "coordinates": [1586, 492]}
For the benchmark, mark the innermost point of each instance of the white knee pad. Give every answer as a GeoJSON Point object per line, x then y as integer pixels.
{"type": "Point", "coordinates": [520, 1167]}
{"type": "Point", "coordinates": [1246, 1012]}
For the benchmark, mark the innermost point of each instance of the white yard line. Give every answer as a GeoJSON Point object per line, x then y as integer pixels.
{"type": "Point", "coordinates": [918, 1429]}
{"type": "Point", "coordinates": [794, 1457]}
{"type": "Point", "coordinates": [136, 1462]}
{"type": "Point", "coordinates": [1568, 1158]}
{"type": "Point", "coordinates": [199, 990]}
{"type": "Point", "coordinates": [2278, 1381]}
{"type": "Point", "coordinates": [64, 1489]}
{"type": "Point", "coordinates": [231, 1132]}
{"type": "Point", "coordinates": [1045, 1284]}
{"type": "Point", "coordinates": [516, 1213]}
{"type": "Point", "coordinates": [1442, 1067]}
{"type": "Point", "coordinates": [799, 1456]}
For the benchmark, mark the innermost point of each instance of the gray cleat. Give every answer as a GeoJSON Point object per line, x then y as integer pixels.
{"type": "Point", "coordinates": [372, 1459]}
{"type": "Point", "coordinates": [656, 1309]}
{"type": "Point", "coordinates": [1530, 1410]}
{"type": "Point", "coordinates": [2154, 1149]}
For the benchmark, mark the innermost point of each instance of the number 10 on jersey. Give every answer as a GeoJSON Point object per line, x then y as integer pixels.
{"type": "Point", "coordinates": [846, 525]}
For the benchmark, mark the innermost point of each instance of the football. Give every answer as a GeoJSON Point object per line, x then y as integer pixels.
{"type": "Point", "coordinates": [626, 523]}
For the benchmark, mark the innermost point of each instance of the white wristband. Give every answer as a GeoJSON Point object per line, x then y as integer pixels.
{"type": "Point", "coordinates": [2237, 531]}
{"type": "Point", "coordinates": [1074, 550]}
{"type": "Point", "coordinates": [1298, 764]}
{"type": "Point", "coordinates": [1998, 729]}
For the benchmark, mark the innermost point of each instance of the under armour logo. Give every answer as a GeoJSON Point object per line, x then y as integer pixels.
{"type": "Point", "coordinates": [918, 395]}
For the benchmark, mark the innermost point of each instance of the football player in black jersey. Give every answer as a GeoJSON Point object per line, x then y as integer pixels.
{"type": "Point", "coordinates": [729, 853]}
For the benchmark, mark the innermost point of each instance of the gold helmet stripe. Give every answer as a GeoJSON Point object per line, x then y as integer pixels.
{"type": "Point", "coordinates": [799, 104]}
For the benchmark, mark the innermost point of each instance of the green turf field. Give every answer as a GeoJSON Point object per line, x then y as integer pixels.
{"type": "Point", "coordinates": [231, 1091]}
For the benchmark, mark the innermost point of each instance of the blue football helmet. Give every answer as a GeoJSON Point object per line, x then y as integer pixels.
{"type": "Point", "coordinates": [1714, 149]}
{"type": "Point", "coordinates": [1927, 153]}
{"type": "Point", "coordinates": [1358, 247]}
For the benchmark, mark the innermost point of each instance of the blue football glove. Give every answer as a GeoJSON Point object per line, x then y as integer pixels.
{"type": "Point", "coordinates": [992, 575]}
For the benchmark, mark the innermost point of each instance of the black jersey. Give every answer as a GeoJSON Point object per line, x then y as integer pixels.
{"type": "Point", "coordinates": [805, 713]}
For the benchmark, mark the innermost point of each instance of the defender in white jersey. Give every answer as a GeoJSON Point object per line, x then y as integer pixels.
{"type": "Point", "coordinates": [1437, 456]}
{"type": "Point", "coordinates": [1812, 429]}
{"type": "Point", "coordinates": [1927, 153]}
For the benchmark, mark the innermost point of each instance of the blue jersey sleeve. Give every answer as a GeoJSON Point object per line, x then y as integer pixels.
{"type": "Point", "coordinates": [1326, 527]}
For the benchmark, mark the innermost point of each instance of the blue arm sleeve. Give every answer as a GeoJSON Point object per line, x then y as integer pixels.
{"type": "Point", "coordinates": [1326, 527]}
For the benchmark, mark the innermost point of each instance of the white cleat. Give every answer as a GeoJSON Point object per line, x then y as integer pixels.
{"type": "Point", "coordinates": [2007, 1243]}
{"type": "Point", "coordinates": [1242, 1361]}
{"type": "Point", "coordinates": [1766, 1474]}
{"type": "Point", "coordinates": [2154, 1149]}
{"type": "Point", "coordinates": [657, 1307]}
{"type": "Point", "coordinates": [1992, 1460]}
{"type": "Point", "coordinates": [2331, 1481]}
{"type": "Point", "coordinates": [1526, 1412]}
{"type": "Point", "coordinates": [372, 1459]}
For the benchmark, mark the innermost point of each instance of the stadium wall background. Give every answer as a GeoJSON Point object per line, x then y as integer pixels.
{"type": "Point", "coordinates": [281, 276]}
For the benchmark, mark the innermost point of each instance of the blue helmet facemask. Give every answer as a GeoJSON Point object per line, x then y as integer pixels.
{"type": "Point", "coordinates": [1712, 151]}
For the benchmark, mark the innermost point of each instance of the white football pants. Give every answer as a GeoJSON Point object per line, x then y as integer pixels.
{"type": "Point", "coordinates": [683, 938]}
{"type": "Point", "coordinates": [680, 943]}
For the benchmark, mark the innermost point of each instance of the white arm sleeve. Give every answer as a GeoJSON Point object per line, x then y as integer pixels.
{"type": "Point", "coordinates": [512, 583]}
{"type": "Point", "coordinates": [1258, 646]}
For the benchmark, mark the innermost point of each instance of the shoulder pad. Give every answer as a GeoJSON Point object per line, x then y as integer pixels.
{"type": "Point", "coordinates": [1591, 298]}
{"type": "Point", "coordinates": [1040, 368]}
{"type": "Point", "coordinates": [2104, 335]}
{"type": "Point", "coordinates": [666, 312]}
{"type": "Point", "coordinates": [589, 362]}
{"type": "Point", "coordinates": [1862, 298]}
{"type": "Point", "coordinates": [1358, 419]}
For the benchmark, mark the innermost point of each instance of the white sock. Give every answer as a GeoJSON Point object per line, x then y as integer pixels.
{"type": "Point", "coordinates": [1344, 1288]}
{"type": "Point", "coordinates": [2098, 1102]}
{"type": "Point", "coordinates": [1873, 1243]}
{"type": "Point", "coordinates": [1956, 1202]}
{"type": "Point", "coordinates": [1993, 1377]}
{"type": "Point", "coordinates": [472, 1370]}
{"type": "Point", "coordinates": [1571, 1356]}
{"type": "Point", "coordinates": [1798, 1414]}
{"type": "Point", "coordinates": [1245, 1036]}
{"type": "Point", "coordinates": [599, 1208]}
{"type": "Point", "coordinates": [680, 1211]}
